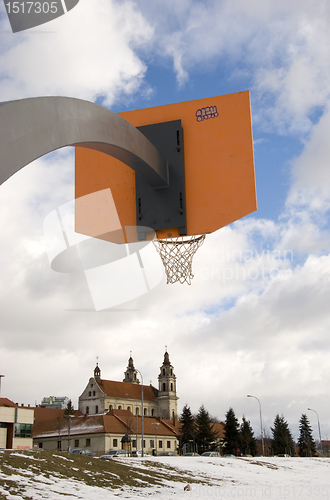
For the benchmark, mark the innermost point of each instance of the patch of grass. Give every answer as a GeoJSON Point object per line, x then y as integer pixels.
{"type": "Point", "coordinates": [39, 468]}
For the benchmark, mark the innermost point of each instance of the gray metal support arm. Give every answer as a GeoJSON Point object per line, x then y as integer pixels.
{"type": "Point", "coordinates": [31, 128]}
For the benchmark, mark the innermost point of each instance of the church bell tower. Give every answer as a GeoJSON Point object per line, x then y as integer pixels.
{"type": "Point", "coordinates": [167, 398]}
{"type": "Point", "coordinates": [131, 373]}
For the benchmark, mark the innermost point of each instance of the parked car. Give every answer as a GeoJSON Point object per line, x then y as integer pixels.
{"type": "Point", "coordinates": [138, 453]}
{"type": "Point", "coordinates": [192, 454]}
{"type": "Point", "coordinates": [115, 453]}
{"type": "Point", "coordinates": [211, 454]}
{"type": "Point", "coordinates": [166, 454]}
{"type": "Point", "coordinates": [83, 451]}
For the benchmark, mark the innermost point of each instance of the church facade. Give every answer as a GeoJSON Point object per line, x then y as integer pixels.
{"type": "Point", "coordinates": [101, 396]}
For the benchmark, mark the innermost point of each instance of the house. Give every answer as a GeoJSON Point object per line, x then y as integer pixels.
{"type": "Point", "coordinates": [16, 424]}
{"type": "Point", "coordinates": [115, 429]}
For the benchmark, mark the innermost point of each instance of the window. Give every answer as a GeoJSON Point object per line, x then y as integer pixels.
{"type": "Point", "coordinates": [164, 386]}
{"type": "Point", "coordinates": [93, 393]}
{"type": "Point", "coordinates": [129, 408]}
{"type": "Point", "coordinates": [163, 371]}
{"type": "Point", "coordinates": [173, 415]}
{"type": "Point", "coordinates": [76, 443]}
{"type": "Point", "coordinates": [115, 443]}
{"type": "Point", "coordinates": [90, 393]}
{"type": "Point", "coordinates": [96, 409]}
{"type": "Point", "coordinates": [144, 443]}
{"type": "Point", "coordinates": [87, 410]}
{"type": "Point", "coordinates": [119, 407]}
{"type": "Point", "coordinates": [152, 412]}
{"type": "Point", "coordinates": [171, 372]}
{"type": "Point", "coordinates": [145, 412]}
{"type": "Point", "coordinates": [168, 444]}
{"type": "Point", "coordinates": [40, 444]}
{"type": "Point", "coordinates": [22, 430]}
{"type": "Point", "coordinates": [110, 407]}
{"type": "Point", "coordinates": [171, 386]}
{"type": "Point", "coordinates": [88, 442]}
{"type": "Point", "coordinates": [136, 411]}
{"type": "Point", "coordinates": [160, 444]}
{"type": "Point", "coordinates": [59, 445]}
{"type": "Point", "coordinates": [134, 443]}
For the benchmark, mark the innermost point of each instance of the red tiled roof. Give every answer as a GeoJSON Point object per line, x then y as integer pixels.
{"type": "Point", "coordinates": [127, 390]}
{"type": "Point", "coordinates": [7, 402]}
{"type": "Point", "coordinates": [41, 414]}
{"type": "Point", "coordinates": [115, 422]}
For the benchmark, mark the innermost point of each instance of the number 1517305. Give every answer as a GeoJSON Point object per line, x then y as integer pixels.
{"type": "Point", "coordinates": [31, 7]}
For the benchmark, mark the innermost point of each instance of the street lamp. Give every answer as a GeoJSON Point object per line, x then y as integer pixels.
{"type": "Point", "coordinates": [156, 424]}
{"type": "Point", "coordinates": [318, 422]}
{"type": "Point", "coordinates": [262, 432]}
{"type": "Point", "coordinates": [142, 447]}
{"type": "Point", "coordinates": [1, 376]}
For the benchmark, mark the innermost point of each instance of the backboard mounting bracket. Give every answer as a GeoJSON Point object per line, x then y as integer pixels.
{"type": "Point", "coordinates": [163, 208]}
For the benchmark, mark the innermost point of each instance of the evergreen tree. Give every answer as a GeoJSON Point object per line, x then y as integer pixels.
{"type": "Point", "coordinates": [248, 443]}
{"type": "Point", "coordinates": [306, 442]}
{"type": "Point", "coordinates": [282, 438]}
{"type": "Point", "coordinates": [232, 436]}
{"type": "Point", "coordinates": [187, 428]}
{"type": "Point", "coordinates": [69, 410]}
{"type": "Point", "coordinates": [206, 437]}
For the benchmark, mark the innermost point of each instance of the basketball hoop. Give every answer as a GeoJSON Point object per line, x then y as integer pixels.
{"type": "Point", "coordinates": [177, 255]}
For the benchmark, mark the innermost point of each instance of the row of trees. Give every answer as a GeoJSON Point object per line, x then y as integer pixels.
{"type": "Point", "coordinates": [198, 432]}
{"type": "Point", "coordinates": [241, 437]}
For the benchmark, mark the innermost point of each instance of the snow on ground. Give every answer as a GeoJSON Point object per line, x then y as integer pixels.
{"type": "Point", "coordinates": [275, 478]}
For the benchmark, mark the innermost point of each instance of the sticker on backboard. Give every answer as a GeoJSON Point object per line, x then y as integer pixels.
{"type": "Point", "coordinates": [206, 113]}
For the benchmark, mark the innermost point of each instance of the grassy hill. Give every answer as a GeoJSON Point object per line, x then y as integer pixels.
{"type": "Point", "coordinates": [21, 472]}
{"type": "Point", "coordinates": [41, 475]}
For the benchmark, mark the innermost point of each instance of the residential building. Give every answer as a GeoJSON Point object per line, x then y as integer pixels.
{"type": "Point", "coordinates": [116, 429]}
{"type": "Point", "coordinates": [16, 424]}
{"type": "Point", "coordinates": [55, 402]}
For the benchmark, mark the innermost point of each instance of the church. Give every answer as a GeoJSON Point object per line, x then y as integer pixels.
{"type": "Point", "coordinates": [101, 396]}
{"type": "Point", "coordinates": [110, 415]}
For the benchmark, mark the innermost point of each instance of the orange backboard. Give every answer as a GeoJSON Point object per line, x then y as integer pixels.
{"type": "Point", "coordinates": [218, 167]}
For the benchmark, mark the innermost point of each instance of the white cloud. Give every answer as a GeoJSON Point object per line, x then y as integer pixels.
{"type": "Point", "coordinates": [311, 173]}
{"type": "Point", "coordinates": [87, 53]}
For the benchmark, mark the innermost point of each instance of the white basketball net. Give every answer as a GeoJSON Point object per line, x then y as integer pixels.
{"type": "Point", "coordinates": [177, 255]}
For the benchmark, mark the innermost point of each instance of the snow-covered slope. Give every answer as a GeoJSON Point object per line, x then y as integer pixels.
{"type": "Point", "coordinates": [54, 475]}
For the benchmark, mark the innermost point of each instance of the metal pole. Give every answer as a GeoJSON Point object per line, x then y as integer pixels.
{"type": "Point", "coordinates": [1, 376]}
{"type": "Point", "coordinates": [318, 423]}
{"type": "Point", "coordinates": [156, 424]}
{"type": "Point", "coordinates": [142, 447]}
{"type": "Point", "coordinates": [136, 442]}
{"type": "Point", "coordinates": [262, 432]}
{"type": "Point", "coordinates": [33, 127]}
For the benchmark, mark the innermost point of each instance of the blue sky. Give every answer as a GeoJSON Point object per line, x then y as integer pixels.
{"type": "Point", "coordinates": [256, 318]}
